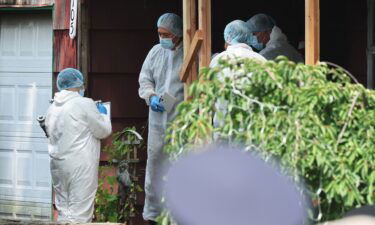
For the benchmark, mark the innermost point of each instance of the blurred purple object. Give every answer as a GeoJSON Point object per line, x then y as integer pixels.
{"type": "Point", "coordinates": [226, 186]}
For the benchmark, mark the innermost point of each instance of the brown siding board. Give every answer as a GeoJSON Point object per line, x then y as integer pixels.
{"type": "Point", "coordinates": [119, 125]}
{"type": "Point", "coordinates": [343, 39]}
{"type": "Point", "coordinates": [131, 14]}
{"type": "Point", "coordinates": [61, 15]}
{"type": "Point", "coordinates": [65, 50]}
{"type": "Point", "coordinates": [120, 51]}
{"type": "Point", "coordinates": [122, 91]}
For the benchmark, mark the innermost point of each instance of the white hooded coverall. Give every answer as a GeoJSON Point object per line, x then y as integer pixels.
{"type": "Point", "coordinates": [159, 74]}
{"type": "Point", "coordinates": [75, 127]}
{"type": "Point", "coordinates": [279, 45]}
{"type": "Point", "coordinates": [241, 51]}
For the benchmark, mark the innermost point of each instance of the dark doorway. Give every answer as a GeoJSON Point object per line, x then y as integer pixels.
{"type": "Point", "coordinates": [121, 34]}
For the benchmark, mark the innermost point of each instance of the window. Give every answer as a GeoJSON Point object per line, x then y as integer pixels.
{"type": "Point", "coordinates": [371, 45]}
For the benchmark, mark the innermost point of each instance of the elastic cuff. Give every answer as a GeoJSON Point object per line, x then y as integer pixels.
{"type": "Point", "coordinates": [149, 98]}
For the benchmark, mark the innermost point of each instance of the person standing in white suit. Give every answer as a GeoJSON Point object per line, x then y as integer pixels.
{"type": "Point", "coordinates": [271, 41]}
{"type": "Point", "coordinates": [160, 76]}
{"type": "Point", "coordinates": [75, 125]}
{"type": "Point", "coordinates": [238, 40]}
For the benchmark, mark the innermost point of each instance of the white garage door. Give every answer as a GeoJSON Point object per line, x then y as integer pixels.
{"type": "Point", "coordinates": [25, 88]}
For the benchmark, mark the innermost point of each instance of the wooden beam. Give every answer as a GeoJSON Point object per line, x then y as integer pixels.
{"type": "Point", "coordinates": [312, 31]}
{"type": "Point", "coordinates": [193, 29]}
{"type": "Point", "coordinates": [205, 27]}
{"type": "Point", "coordinates": [83, 40]}
{"type": "Point", "coordinates": [189, 28]}
{"type": "Point", "coordinates": [189, 60]}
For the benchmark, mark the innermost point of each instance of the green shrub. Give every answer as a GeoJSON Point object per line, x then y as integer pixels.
{"type": "Point", "coordinates": [312, 118]}
{"type": "Point", "coordinates": [110, 207]}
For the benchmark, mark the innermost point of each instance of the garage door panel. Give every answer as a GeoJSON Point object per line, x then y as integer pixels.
{"type": "Point", "coordinates": [43, 178]}
{"type": "Point", "coordinates": [24, 169]}
{"type": "Point", "coordinates": [24, 65]}
{"type": "Point", "coordinates": [27, 164]}
{"type": "Point", "coordinates": [44, 40]}
{"type": "Point", "coordinates": [6, 164]}
{"type": "Point", "coordinates": [37, 78]}
{"type": "Point", "coordinates": [8, 35]}
{"type": "Point", "coordinates": [26, 43]}
{"type": "Point", "coordinates": [26, 103]}
{"type": "Point", "coordinates": [21, 130]}
{"type": "Point", "coordinates": [27, 39]}
{"type": "Point", "coordinates": [7, 96]}
{"type": "Point", "coordinates": [23, 195]}
{"type": "Point", "coordinates": [25, 100]}
{"type": "Point", "coordinates": [25, 91]}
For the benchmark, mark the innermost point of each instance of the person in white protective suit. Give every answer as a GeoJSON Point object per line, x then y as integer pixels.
{"type": "Point", "coordinates": [75, 125]}
{"type": "Point", "coordinates": [238, 39]}
{"type": "Point", "coordinates": [271, 41]}
{"type": "Point", "coordinates": [160, 75]}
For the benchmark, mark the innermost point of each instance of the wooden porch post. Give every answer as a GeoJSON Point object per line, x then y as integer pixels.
{"type": "Point", "coordinates": [83, 39]}
{"type": "Point", "coordinates": [312, 31]}
{"type": "Point", "coordinates": [205, 27]}
{"type": "Point", "coordinates": [195, 40]}
{"type": "Point", "coordinates": [189, 27]}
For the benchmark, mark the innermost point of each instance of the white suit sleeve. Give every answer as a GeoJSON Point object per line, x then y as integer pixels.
{"type": "Point", "coordinates": [99, 125]}
{"type": "Point", "coordinates": [146, 79]}
{"type": "Point", "coordinates": [214, 62]}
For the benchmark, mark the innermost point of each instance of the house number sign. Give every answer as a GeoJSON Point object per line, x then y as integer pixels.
{"type": "Point", "coordinates": [73, 19]}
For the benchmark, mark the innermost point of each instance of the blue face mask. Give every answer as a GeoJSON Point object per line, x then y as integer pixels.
{"type": "Point", "coordinates": [82, 92]}
{"type": "Point", "coordinates": [166, 43]}
{"type": "Point", "coordinates": [256, 44]}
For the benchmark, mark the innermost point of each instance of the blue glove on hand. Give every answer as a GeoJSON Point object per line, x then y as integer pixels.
{"type": "Point", "coordinates": [101, 108]}
{"type": "Point", "coordinates": [156, 105]}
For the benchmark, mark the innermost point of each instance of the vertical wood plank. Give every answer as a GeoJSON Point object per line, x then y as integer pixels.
{"type": "Point", "coordinates": [205, 26]}
{"type": "Point", "coordinates": [61, 15]}
{"type": "Point", "coordinates": [189, 23]}
{"type": "Point", "coordinates": [312, 31]}
{"type": "Point", "coordinates": [186, 16]}
{"type": "Point", "coordinates": [65, 50]}
{"type": "Point", "coordinates": [193, 29]}
{"type": "Point", "coordinates": [83, 39]}
{"type": "Point", "coordinates": [193, 10]}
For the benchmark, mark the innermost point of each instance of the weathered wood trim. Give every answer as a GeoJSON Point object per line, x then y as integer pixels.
{"type": "Point", "coordinates": [194, 48]}
{"type": "Point", "coordinates": [204, 12]}
{"type": "Point", "coordinates": [64, 51]}
{"type": "Point", "coordinates": [83, 58]}
{"type": "Point", "coordinates": [61, 15]}
{"type": "Point", "coordinates": [64, 48]}
{"type": "Point", "coordinates": [189, 28]}
{"type": "Point", "coordinates": [312, 31]}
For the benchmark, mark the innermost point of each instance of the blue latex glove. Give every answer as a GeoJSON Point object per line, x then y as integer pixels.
{"type": "Point", "coordinates": [156, 105]}
{"type": "Point", "coordinates": [101, 108]}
